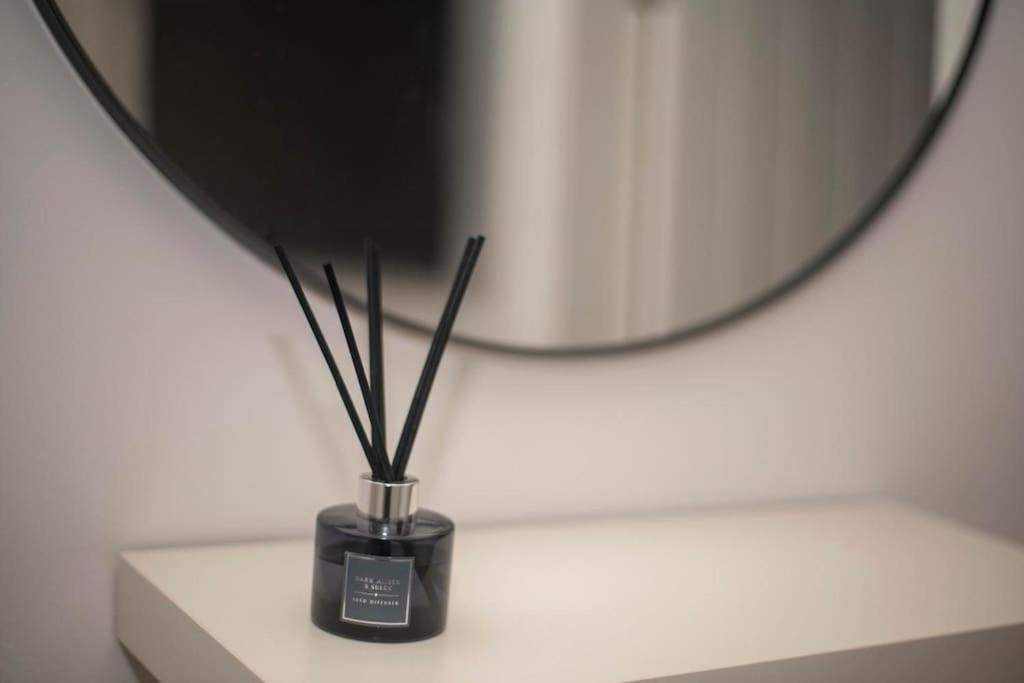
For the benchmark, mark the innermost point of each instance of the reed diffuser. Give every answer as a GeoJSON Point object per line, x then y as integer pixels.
{"type": "Point", "coordinates": [382, 564]}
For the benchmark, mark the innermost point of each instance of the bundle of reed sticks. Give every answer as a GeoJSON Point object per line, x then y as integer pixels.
{"type": "Point", "coordinates": [382, 466]}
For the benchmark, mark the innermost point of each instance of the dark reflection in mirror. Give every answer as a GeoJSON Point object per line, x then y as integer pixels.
{"type": "Point", "coordinates": [639, 166]}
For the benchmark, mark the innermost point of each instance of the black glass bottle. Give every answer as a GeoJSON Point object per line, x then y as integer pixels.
{"type": "Point", "coordinates": [382, 565]}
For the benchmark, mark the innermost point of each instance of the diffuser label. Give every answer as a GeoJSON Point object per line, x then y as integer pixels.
{"type": "Point", "coordinates": [376, 590]}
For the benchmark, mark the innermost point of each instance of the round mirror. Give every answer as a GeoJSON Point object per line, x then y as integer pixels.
{"type": "Point", "coordinates": [643, 169]}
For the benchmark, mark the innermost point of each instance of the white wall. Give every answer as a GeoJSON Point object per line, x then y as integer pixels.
{"type": "Point", "coordinates": [157, 385]}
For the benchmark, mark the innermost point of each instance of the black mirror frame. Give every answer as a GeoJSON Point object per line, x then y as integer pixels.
{"type": "Point", "coordinates": [62, 33]}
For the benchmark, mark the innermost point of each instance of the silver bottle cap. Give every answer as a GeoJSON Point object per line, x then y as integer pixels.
{"type": "Point", "coordinates": [386, 501]}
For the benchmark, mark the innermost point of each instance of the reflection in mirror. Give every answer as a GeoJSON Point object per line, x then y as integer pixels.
{"type": "Point", "coordinates": [638, 166]}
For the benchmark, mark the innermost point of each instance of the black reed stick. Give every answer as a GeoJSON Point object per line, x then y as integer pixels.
{"type": "Point", "coordinates": [376, 429]}
{"type": "Point", "coordinates": [331, 365]}
{"type": "Point", "coordinates": [373, 309]}
{"type": "Point", "coordinates": [437, 347]}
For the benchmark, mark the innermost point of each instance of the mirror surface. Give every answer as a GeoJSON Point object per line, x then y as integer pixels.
{"type": "Point", "coordinates": [638, 166]}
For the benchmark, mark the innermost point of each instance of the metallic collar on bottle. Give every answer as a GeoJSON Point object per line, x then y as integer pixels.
{"type": "Point", "coordinates": [386, 501]}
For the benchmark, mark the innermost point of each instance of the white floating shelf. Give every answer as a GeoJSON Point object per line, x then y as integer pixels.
{"type": "Point", "coordinates": [846, 591]}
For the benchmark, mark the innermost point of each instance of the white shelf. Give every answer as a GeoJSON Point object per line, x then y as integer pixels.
{"type": "Point", "coordinates": [824, 591]}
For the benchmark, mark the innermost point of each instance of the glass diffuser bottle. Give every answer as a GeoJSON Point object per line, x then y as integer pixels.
{"type": "Point", "coordinates": [382, 565]}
